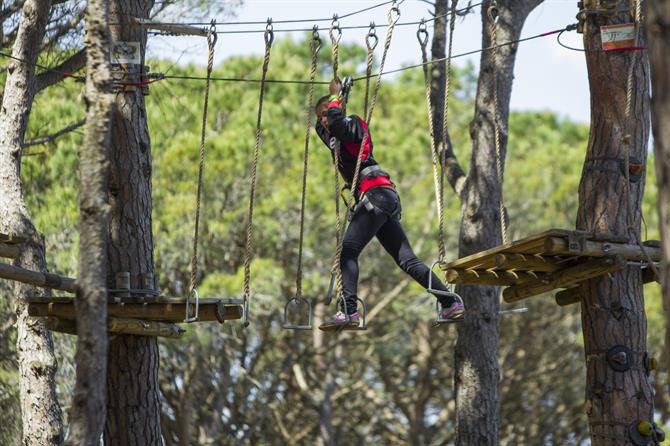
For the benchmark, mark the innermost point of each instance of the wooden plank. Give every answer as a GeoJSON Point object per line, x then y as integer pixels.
{"type": "Point", "coordinates": [559, 246]}
{"type": "Point", "coordinates": [533, 244]}
{"type": "Point", "coordinates": [44, 280]}
{"type": "Point", "coordinates": [151, 311]}
{"type": "Point", "coordinates": [565, 278]}
{"type": "Point", "coordinates": [11, 239]}
{"type": "Point", "coordinates": [9, 251]}
{"type": "Point", "coordinates": [573, 295]}
{"type": "Point", "coordinates": [530, 262]}
{"type": "Point", "coordinates": [478, 277]}
{"type": "Point", "coordinates": [121, 326]}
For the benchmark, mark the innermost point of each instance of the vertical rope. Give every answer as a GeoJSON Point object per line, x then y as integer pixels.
{"type": "Point", "coordinates": [447, 90]}
{"type": "Point", "coordinates": [422, 36]}
{"type": "Point", "coordinates": [269, 37]}
{"type": "Point", "coordinates": [315, 45]}
{"type": "Point", "coordinates": [627, 140]}
{"type": "Point", "coordinates": [393, 16]}
{"type": "Point", "coordinates": [493, 15]}
{"type": "Point", "coordinates": [372, 35]}
{"type": "Point", "coordinates": [211, 42]}
{"type": "Point", "coordinates": [335, 36]}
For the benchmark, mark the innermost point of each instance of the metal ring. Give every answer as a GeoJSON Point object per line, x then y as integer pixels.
{"type": "Point", "coordinates": [335, 27]}
{"type": "Point", "coordinates": [372, 34]}
{"type": "Point", "coordinates": [395, 9]}
{"type": "Point", "coordinates": [422, 33]}
{"type": "Point", "coordinates": [492, 13]}
{"type": "Point", "coordinates": [269, 35]}
{"type": "Point", "coordinates": [316, 40]}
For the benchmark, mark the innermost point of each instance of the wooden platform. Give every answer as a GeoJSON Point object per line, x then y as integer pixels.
{"type": "Point", "coordinates": [542, 262]}
{"type": "Point", "coordinates": [154, 316]}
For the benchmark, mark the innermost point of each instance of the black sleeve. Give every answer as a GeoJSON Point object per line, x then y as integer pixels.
{"type": "Point", "coordinates": [345, 128]}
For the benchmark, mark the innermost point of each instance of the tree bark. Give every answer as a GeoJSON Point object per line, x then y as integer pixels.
{"type": "Point", "coordinates": [658, 34]}
{"type": "Point", "coordinates": [612, 307]}
{"type": "Point", "coordinates": [133, 407]}
{"type": "Point", "coordinates": [41, 415]}
{"type": "Point", "coordinates": [477, 373]}
{"type": "Point", "coordinates": [87, 416]}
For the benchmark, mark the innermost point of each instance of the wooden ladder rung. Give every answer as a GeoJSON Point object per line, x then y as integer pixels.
{"type": "Point", "coordinates": [488, 277]}
{"type": "Point", "coordinates": [565, 278]}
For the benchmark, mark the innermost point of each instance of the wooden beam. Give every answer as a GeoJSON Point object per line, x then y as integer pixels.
{"type": "Point", "coordinates": [11, 239]}
{"type": "Point", "coordinates": [44, 280]}
{"type": "Point", "coordinates": [531, 262]}
{"type": "Point", "coordinates": [559, 246]}
{"type": "Point", "coordinates": [121, 326]}
{"type": "Point", "coordinates": [480, 277]}
{"type": "Point", "coordinates": [171, 312]}
{"type": "Point", "coordinates": [170, 28]}
{"type": "Point", "coordinates": [573, 295]}
{"type": "Point", "coordinates": [568, 297]}
{"type": "Point", "coordinates": [565, 278]}
{"type": "Point", "coordinates": [9, 251]}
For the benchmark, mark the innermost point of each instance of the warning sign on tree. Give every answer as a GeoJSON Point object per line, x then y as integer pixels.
{"type": "Point", "coordinates": [617, 36]}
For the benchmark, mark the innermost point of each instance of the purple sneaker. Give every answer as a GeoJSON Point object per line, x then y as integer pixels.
{"type": "Point", "coordinates": [340, 320]}
{"type": "Point", "coordinates": [454, 312]}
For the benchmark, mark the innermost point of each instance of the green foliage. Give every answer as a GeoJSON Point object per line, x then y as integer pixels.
{"type": "Point", "coordinates": [245, 383]}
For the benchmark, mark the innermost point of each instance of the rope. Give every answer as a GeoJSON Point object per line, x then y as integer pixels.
{"type": "Point", "coordinates": [493, 20]}
{"type": "Point", "coordinates": [627, 140]}
{"type": "Point", "coordinates": [335, 41]}
{"type": "Point", "coordinates": [339, 226]}
{"type": "Point", "coordinates": [422, 36]}
{"type": "Point", "coordinates": [211, 42]}
{"type": "Point", "coordinates": [315, 45]}
{"type": "Point", "coordinates": [447, 89]}
{"type": "Point", "coordinates": [387, 44]}
{"type": "Point", "coordinates": [269, 37]}
{"type": "Point", "coordinates": [372, 34]}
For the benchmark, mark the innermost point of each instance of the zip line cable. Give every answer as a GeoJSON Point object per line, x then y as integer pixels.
{"type": "Point", "coordinates": [570, 27]}
{"type": "Point", "coordinates": [335, 17]}
{"type": "Point", "coordinates": [350, 14]}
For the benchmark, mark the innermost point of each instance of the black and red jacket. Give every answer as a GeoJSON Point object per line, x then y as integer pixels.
{"type": "Point", "coordinates": [345, 134]}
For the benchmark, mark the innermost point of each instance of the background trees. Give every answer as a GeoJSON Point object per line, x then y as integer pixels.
{"type": "Point", "coordinates": [225, 385]}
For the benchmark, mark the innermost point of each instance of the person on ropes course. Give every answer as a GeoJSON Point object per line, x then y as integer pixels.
{"type": "Point", "coordinates": [377, 211]}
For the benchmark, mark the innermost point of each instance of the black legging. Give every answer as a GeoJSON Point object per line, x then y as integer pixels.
{"type": "Point", "coordinates": [384, 222]}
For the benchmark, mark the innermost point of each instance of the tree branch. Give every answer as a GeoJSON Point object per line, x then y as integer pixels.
{"type": "Point", "coordinates": [50, 77]}
{"type": "Point", "coordinates": [53, 137]}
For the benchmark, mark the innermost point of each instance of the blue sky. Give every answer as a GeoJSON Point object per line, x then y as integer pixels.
{"type": "Point", "coordinates": [547, 76]}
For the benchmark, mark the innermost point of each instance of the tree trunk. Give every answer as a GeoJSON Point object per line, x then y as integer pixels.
{"type": "Point", "coordinates": [87, 416]}
{"type": "Point", "coordinates": [133, 407]}
{"type": "Point", "coordinates": [41, 415]}
{"type": "Point", "coordinates": [326, 366]}
{"type": "Point", "coordinates": [658, 32]}
{"type": "Point", "coordinates": [476, 356]}
{"type": "Point", "coordinates": [612, 307]}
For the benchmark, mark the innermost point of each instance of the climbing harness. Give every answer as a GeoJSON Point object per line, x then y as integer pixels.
{"type": "Point", "coordinates": [298, 300]}
{"type": "Point", "coordinates": [193, 292]}
{"type": "Point", "coordinates": [269, 38]}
